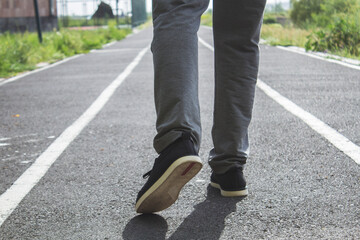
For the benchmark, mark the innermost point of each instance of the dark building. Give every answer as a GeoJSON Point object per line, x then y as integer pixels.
{"type": "Point", "coordinates": [19, 15]}
{"type": "Point", "coordinates": [104, 11]}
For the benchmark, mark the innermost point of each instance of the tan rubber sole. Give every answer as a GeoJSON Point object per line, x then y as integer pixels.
{"type": "Point", "coordinates": [165, 191]}
{"type": "Point", "coordinates": [224, 193]}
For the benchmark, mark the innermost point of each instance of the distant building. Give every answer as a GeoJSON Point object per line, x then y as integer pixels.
{"type": "Point", "coordinates": [104, 11]}
{"type": "Point", "coordinates": [19, 15]}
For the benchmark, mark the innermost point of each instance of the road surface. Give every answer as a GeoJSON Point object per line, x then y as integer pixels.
{"type": "Point", "coordinates": [76, 138]}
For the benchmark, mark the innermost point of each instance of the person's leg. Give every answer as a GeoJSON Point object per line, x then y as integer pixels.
{"type": "Point", "coordinates": [236, 25]}
{"type": "Point", "coordinates": [175, 55]}
{"type": "Point", "coordinates": [174, 48]}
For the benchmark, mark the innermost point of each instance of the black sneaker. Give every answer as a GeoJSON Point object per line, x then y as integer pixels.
{"type": "Point", "coordinates": [175, 166]}
{"type": "Point", "coordinates": [231, 184]}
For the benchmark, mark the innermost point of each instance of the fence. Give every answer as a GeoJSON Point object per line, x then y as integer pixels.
{"type": "Point", "coordinates": [80, 12]}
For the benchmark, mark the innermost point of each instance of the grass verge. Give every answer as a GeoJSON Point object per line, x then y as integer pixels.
{"type": "Point", "coordinates": [276, 34]}
{"type": "Point", "coordinates": [21, 52]}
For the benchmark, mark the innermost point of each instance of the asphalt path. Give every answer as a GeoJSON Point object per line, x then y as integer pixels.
{"type": "Point", "coordinates": [301, 186]}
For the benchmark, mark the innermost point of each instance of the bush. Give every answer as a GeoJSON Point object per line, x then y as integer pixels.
{"type": "Point", "coordinates": [343, 36]}
{"type": "Point", "coordinates": [321, 13]}
{"type": "Point", "coordinates": [335, 24]}
{"type": "Point", "coordinates": [303, 11]}
{"type": "Point", "coordinates": [269, 19]}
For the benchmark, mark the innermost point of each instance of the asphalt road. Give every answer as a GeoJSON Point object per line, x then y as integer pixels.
{"type": "Point", "coordinates": [300, 185]}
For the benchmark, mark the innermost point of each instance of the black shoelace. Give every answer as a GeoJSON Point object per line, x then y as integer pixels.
{"type": "Point", "coordinates": [146, 175]}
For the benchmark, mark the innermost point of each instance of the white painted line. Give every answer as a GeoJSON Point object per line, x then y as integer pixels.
{"type": "Point", "coordinates": [26, 135]}
{"type": "Point", "coordinates": [38, 70]}
{"type": "Point", "coordinates": [10, 199]}
{"type": "Point", "coordinates": [302, 51]}
{"type": "Point", "coordinates": [25, 162]}
{"type": "Point", "coordinates": [4, 139]}
{"type": "Point", "coordinates": [321, 58]}
{"type": "Point", "coordinates": [206, 44]}
{"type": "Point", "coordinates": [17, 157]}
{"type": "Point", "coordinates": [109, 44]}
{"type": "Point", "coordinates": [4, 144]}
{"type": "Point", "coordinates": [338, 140]}
{"type": "Point", "coordinates": [33, 140]}
{"type": "Point", "coordinates": [113, 50]}
{"type": "Point", "coordinates": [325, 55]}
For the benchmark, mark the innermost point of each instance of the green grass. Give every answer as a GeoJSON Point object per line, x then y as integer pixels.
{"type": "Point", "coordinates": [80, 22]}
{"type": "Point", "coordinates": [21, 52]}
{"type": "Point", "coordinates": [276, 34]}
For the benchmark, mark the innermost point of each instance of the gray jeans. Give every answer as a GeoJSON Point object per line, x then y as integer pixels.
{"type": "Point", "coordinates": [236, 27]}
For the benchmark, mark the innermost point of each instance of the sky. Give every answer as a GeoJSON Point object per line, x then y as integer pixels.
{"type": "Point", "coordinates": [88, 7]}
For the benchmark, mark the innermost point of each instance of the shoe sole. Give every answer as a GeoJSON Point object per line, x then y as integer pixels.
{"type": "Point", "coordinates": [165, 191]}
{"type": "Point", "coordinates": [241, 193]}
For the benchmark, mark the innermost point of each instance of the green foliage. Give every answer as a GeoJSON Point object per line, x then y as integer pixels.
{"type": "Point", "coordinates": [332, 10]}
{"type": "Point", "coordinates": [21, 52]}
{"type": "Point", "coordinates": [343, 36]}
{"type": "Point", "coordinates": [206, 18]}
{"type": "Point", "coordinates": [114, 33]}
{"type": "Point", "coordinates": [81, 22]}
{"type": "Point", "coordinates": [303, 10]}
{"type": "Point", "coordinates": [269, 19]}
{"type": "Point", "coordinates": [321, 13]}
{"type": "Point", "coordinates": [335, 24]}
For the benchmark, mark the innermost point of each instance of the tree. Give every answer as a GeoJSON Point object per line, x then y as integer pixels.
{"type": "Point", "coordinates": [303, 10]}
{"type": "Point", "coordinates": [321, 13]}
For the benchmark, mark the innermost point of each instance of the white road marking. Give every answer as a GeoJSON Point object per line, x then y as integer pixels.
{"type": "Point", "coordinates": [333, 136]}
{"type": "Point", "coordinates": [17, 157]}
{"type": "Point", "coordinates": [309, 54]}
{"type": "Point", "coordinates": [26, 135]}
{"type": "Point", "coordinates": [206, 44]}
{"type": "Point", "coordinates": [38, 70]}
{"type": "Point", "coordinates": [25, 162]}
{"type": "Point", "coordinates": [4, 144]}
{"type": "Point", "coordinates": [10, 199]}
{"type": "Point", "coordinates": [113, 50]}
{"type": "Point", "coordinates": [19, 136]}
{"type": "Point", "coordinates": [109, 44]}
{"type": "Point", "coordinates": [32, 140]}
{"type": "Point", "coordinates": [350, 61]}
{"type": "Point", "coordinates": [318, 57]}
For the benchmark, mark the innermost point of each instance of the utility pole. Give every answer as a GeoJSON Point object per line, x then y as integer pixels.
{"type": "Point", "coordinates": [117, 13]}
{"type": "Point", "coordinates": [37, 18]}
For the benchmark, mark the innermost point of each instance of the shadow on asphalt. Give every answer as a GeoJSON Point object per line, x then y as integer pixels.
{"type": "Point", "coordinates": [146, 226]}
{"type": "Point", "coordinates": [207, 221]}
